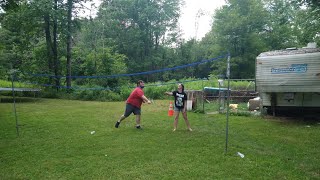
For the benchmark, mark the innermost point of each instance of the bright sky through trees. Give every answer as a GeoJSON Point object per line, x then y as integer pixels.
{"type": "Point", "coordinates": [195, 19]}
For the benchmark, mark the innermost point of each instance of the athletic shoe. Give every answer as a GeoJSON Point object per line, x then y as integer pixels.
{"type": "Point", "coordinates": [139, 127]}
{"type": "Point", "coordinates": [190, 129]}
{"type": "Point", "coordinates": [117, 124]}
{"type": "Point", "coordinates": [173, 130]}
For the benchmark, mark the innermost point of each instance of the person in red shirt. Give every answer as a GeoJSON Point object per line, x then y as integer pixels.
{"type": "Point", "coordinates": [180, 105]}
{"type": "Point", "coordinates": [133, 104]}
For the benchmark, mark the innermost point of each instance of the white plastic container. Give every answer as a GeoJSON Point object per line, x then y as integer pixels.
{"type": "Point", "coordinates": [189, 105]}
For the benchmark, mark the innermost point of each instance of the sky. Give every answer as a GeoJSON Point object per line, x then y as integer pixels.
{"type": "Point", "coordinates": [189, 17]}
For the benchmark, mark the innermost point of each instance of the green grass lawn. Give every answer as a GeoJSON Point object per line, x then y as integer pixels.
{"type": "Point", "coordinates": [55, 143]}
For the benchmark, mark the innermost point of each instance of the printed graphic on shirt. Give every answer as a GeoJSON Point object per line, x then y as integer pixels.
{"type": "Point", "coordinates": [179, 99]}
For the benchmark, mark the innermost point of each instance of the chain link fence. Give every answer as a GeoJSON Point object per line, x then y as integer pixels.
{"type": "Point", "coordinates": [213, 100]}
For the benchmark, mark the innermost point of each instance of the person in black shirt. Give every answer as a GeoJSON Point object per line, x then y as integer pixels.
{"type": "Point", "coordinates": [180, 105]}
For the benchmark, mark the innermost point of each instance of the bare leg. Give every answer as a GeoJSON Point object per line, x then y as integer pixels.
{"type": "Point", "coordinates": [122, 118]}
{"type": "Point", "coordinates": [186, 120]}
{"type": "Point", "coordinates": [138, 117]}
{"type": "Point", "coordinates": [176, 118]}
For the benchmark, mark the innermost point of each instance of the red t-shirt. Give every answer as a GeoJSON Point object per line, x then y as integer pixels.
{"type": "Point", "coordinates": [135, 97]}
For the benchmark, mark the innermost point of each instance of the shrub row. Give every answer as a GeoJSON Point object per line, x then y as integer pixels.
{"type": "Point", "coordinates": [152, 90]}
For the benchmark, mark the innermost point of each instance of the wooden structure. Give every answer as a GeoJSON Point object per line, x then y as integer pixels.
{"type": "Point", "coordinates": [195, 98]}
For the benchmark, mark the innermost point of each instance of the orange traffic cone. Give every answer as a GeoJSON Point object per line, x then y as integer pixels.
{"type": "Point", "coordinates": [170, 112]}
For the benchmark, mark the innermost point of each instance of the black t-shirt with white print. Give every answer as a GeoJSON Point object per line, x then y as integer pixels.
{"type": "Point", "coordinates": [179, 99]}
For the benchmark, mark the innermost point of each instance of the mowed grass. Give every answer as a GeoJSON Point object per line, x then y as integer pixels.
{"type": "Point", "coordinates": [56, 143]}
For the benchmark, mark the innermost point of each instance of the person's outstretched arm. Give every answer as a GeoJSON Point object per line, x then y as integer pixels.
{"type": "Point", "coordinates": [145, 99]}
{"type": "Point", "coordinates": [168, 93]}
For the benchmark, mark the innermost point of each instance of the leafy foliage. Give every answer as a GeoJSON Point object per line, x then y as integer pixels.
{"type": "Point", "coordinates": [130, 36]}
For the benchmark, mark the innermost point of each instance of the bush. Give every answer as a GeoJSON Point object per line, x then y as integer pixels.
{"type": "Point", "coordinates": [109, 96]}
{"type": "Point", "coordinates": [155, 92]}
{"type": "Point", "coordinates": [49, 93]}
{"type": "Point", "coordinates": [152, 90]}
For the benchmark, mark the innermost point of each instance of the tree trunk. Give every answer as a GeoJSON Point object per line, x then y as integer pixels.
{"type": "Point", "coordinates": [69, 41]}
{"type": "Point", "coordinates": [48, 44]}
{"type": "Point", "coordinates": [55, 47]}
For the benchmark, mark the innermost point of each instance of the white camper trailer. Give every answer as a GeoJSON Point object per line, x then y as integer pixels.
{"type": "Point", "coordinates": [288, 79]}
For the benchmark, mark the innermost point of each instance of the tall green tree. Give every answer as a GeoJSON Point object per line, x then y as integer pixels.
{"type": "Point", "coordinates": [307, 20]}
{"type": "Point", "coordinates": [236, 28]}
{"type": "Point", "coordinates": [69, 40]}
{"type": "Point", "coordinates": [95, 56]}
{"type": "Point", "coordinates": [280, 30]}
{"type": "Point", "coordinates": [42, 23]}
{"type": "Point", "coordinates": [71, 13]}
{"type": "Point", "coordinates": [139, 27]}
{"type": "Point", "coordinates": [18, 34]}
{"type": "Point", "coordinates": [247, 28]}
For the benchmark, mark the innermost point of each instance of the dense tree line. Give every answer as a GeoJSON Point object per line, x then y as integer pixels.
{"type": "Point", "coordinates": [130, 36]}
{"type": "Point", "coordinates": [247, 28]}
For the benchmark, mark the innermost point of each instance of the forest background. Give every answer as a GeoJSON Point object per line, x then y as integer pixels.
{"type": "Point", "coordinates": [50, 45]}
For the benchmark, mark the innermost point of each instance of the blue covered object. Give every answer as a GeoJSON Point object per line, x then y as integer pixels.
{"type": "Point", "coordinates": [214, 91]}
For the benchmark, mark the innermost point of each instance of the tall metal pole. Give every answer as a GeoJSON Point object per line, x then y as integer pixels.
{"type": "Point", "coordinates": [219, 110]}
{"type": "Point", "coordinates": [202, 97]}
{"type": "Point", "coordinates": [14, 101]}
{"type": "Point", "coordinates": [227, 124]}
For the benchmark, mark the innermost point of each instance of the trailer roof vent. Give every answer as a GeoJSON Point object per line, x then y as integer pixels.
{"type": "Point", "coordinates": [312, 45]}
{"type": "Point", "coordinates": [292, 48]}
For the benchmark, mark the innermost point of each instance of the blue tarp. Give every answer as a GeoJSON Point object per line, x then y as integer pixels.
{"type": "Point", "coordinates": [214, 91]}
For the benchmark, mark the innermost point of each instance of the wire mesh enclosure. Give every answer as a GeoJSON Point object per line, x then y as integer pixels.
{"type": "Point", "coordinates": [243, 97]}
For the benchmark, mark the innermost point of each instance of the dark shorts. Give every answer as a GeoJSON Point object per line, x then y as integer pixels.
{"type": "Point", "coordinates": [131, 109]}
{"type": "Point", "coordinates": [179, 109]}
